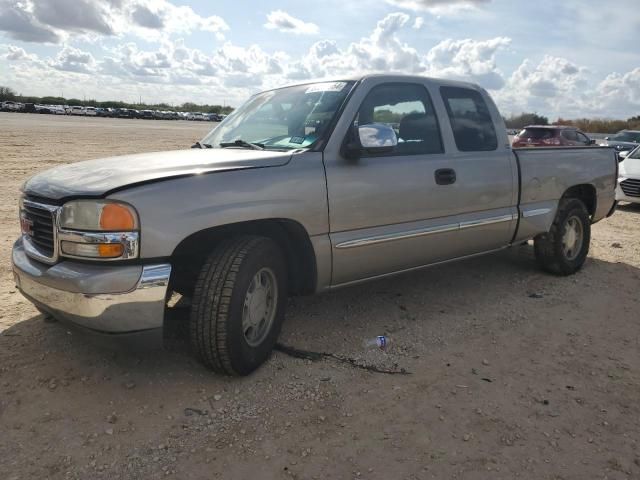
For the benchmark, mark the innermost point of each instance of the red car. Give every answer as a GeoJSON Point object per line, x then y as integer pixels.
{"type": "Point", "coordinates": [551, 136]}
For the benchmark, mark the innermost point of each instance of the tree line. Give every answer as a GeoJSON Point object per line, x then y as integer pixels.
{"type": "Point", "coordinates": [592, 125]}
{"type": "Point", "coordinates": [8, 94]}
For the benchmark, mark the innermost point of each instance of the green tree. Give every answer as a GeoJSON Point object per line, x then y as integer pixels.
{"type": "Point", "coordinates": [7, 93]}
{"type": "Point", "coordinates": [524, 119]}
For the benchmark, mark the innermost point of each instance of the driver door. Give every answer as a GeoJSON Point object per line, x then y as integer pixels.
{"type": "Point", "coordinates": [388, 212]}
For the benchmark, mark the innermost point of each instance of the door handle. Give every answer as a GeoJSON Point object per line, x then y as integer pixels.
{"type": "Point", "coordinates": [445, 176]}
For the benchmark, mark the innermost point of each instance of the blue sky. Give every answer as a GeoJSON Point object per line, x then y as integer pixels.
{"type": "Point", "coordinates": [570, 58]}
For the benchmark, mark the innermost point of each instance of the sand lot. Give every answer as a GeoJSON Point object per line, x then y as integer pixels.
{"type": "Point", "coordinates": [513, 373]}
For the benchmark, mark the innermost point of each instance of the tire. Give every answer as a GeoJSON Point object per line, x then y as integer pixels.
{"type": "Point", "coordinates": [552, 251]}
{"type": "Point", "coordinates": [221, 304]}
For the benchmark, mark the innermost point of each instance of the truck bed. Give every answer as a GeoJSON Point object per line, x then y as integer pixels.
{"type": "Point", "coordinates": [546, 173]}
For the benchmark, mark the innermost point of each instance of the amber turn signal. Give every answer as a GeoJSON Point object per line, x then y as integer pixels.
{"type": "Point", "coordinates": [116, 217]}
{"type": "Point", "coordinates": [110, 250]}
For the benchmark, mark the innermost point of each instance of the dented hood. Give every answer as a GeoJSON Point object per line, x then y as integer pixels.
{"type": "Point", "coordinates": [95, 178]}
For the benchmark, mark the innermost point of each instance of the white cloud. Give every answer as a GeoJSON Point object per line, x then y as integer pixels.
{"type": "Point", "coordinates": [54, 21]}
{"type": "Point", "coordinates": [72, 59]}
{"type": "Point", "coordinates": [619, 93]}
{"type": "Point", "coordinates": [555, 86]}
{"type": "Point", "coordinates": [16, 54]}
{"type": "Point", "coordinates": [283, 22]}
{"type": "Point", "coordinates": [438, 6]}
{"type": "Point", "coordinates": [418, 23]}
{"type": "Point", "coordinates": [468, 59]}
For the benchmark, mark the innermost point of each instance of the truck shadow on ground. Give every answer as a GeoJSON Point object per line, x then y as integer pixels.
{"type": "Point", "coordinates": [421, 308]}
{"type": "Point", "coordinates": [630, 207]}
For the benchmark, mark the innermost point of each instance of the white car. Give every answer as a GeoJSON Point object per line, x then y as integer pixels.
{"type": "Point", "coordinates": [57, 110]}
{"type": "Point", "coordinates": [12, 106]}
{"type": "Point", "coordinates": [628, 189]}
{"type": "Point", "coordinates": [76, 110]}
{"type": "Point", "coordinates": [90, 111]}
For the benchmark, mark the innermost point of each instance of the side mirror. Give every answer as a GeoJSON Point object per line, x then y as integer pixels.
{"type": "Point", "coordinates": [606, 138]}
{"type": "Point", "coordinates": [624, 154]}
{"type": "Point", "coordinates": [592, 142]}
{"type": "Point", "coordinates": [372, 138]}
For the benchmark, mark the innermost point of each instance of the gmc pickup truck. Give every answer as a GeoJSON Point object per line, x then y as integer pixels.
{"type": "Point", "coordinates": [301, 190]}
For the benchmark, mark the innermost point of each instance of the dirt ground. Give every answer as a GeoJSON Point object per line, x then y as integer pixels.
{"type": "Point", "coordinates": [513, 373]}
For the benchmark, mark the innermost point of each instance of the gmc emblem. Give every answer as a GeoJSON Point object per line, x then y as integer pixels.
{"type": "Point", "coordinates": [26, 225]}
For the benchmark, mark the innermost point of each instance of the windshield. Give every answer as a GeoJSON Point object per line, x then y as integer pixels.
{"type": "Point", "coordinates": [627, 137]}
{"type": "Point", "coordinates": [287, 118]}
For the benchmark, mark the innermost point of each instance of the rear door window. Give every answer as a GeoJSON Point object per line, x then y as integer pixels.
{"type": "Point", "coordinates": [570, 135]}
{"type": "Point", "coordinates": [470, 119]}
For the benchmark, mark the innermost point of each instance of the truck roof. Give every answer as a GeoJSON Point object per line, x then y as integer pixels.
{"type": "Point", "coordinates": [392, 77]}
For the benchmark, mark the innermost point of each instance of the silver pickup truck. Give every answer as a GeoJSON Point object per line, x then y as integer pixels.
{"type": "Point", "coordinates": [301, 190]}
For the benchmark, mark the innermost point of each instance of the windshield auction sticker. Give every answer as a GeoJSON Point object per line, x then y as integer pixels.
{"type": "Point", "coordinates": [326, 87]}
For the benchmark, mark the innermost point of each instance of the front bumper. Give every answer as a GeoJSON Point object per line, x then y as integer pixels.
{"type": "Point", "coordinates": [109, 298]}
{"type": "Point", "coordinates": [622, 197]}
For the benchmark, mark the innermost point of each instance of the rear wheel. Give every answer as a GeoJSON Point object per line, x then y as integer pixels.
{"type": "Point", "coordinates": [563, 250]}
{"type": "Point", "coordinates": [238, 305]}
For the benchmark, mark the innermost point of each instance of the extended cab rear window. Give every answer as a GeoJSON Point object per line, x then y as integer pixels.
{"type": "Point", "coordinates": [470, 119]}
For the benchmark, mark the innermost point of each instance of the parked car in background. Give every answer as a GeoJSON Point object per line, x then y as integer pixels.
{"type": "Point", "coordinates": [57, 110]}
{"type": "Point", "coordinates": [147, 114]}
{"type": "Point", "coordinates": [213, 117]}
{"type": "Point", "coordinates": [76, 110]}
{"type": "Point", "coordinates": [90, 111]}
{"type": "Point", "coordinates": [10, 106]}
{"type": "Point", "coordinates": [551, 136]}
{"type": "Point", "coordinates": [629, 177]}
{"type": "Point", "coordinates": [106, 243]}
{"type": "Point", "coordinates": [623, 141]}
{"type": "Point", "coordinates": [128, 113]}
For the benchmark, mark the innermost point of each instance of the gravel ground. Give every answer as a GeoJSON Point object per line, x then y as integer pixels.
{"type": "Point", "coordinates": [512, 373]}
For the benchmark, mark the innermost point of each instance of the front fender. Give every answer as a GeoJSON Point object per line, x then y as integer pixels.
{"type": "Point", "coordinates": [172, 210]}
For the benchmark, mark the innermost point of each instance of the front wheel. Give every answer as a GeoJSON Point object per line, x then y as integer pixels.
{"type": "Point", "coordinates": [238, 305]}
{"type": "Point", "coordinates": [563, 250]}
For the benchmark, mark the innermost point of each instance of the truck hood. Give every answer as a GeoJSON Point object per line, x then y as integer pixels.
{"type": "Point", "coordinates": [95, 178]}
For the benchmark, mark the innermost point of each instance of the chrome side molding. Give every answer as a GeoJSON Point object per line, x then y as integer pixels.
{"type": "Point", "coordinates": [421, 232]}
{"type": "Point", "coordinates": [535, 212]}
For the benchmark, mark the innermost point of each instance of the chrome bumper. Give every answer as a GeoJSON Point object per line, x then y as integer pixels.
{"type": "Point", "coordinates": [109, 299]}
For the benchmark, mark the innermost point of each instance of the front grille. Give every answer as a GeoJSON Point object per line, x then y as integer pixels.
{"type": "Point", "coordinates": [41, 232]}
{"type": "Point", "coordinates": [631, 187]}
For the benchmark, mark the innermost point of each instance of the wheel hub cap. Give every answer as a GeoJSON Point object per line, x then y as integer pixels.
{"type": "Point", "coordinates": [259, 307]}
{"type": "Point", "coordinates": [572, 238]}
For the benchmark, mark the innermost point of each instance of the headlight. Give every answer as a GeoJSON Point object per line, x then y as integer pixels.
{"type": "Point", "coordinates": [98, 215]}
{"type": "Point", "coordinates": [98, 229]}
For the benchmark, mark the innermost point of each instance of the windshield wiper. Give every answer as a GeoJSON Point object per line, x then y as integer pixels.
{"type": "Point", "coordinates": [242, 143]}
{"type": "Point", "coordinates": [201, 145]}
